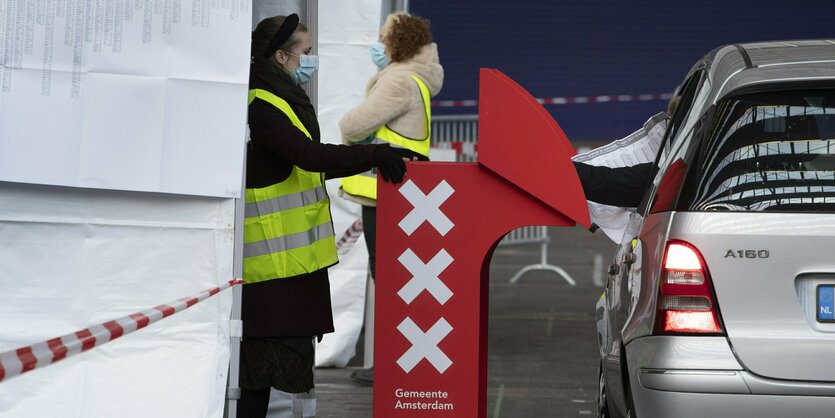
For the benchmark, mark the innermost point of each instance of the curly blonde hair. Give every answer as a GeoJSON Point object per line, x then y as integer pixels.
{"type": "Point", "coordinates": [406, 35]}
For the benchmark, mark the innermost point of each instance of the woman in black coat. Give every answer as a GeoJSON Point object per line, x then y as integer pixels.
{"type": "Point", "coordinates": [282, 316]}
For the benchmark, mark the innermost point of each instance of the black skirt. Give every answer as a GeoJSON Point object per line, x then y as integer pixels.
{"type": "Point", "coordinates": [280, 319]}
{"type": "Point", "coordinates": [282, 363]}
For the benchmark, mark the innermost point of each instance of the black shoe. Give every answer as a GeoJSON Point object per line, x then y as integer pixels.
{"type": "Point", "coordinates": [364, 377]}
{"type": "Point", "coordinates": [356, 372]}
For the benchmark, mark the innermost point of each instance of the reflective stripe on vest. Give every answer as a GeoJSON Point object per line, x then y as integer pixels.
{"type": "Point", "coordinates": [287, 227]}
{"type": "Point", "coordinates": [365, 184]}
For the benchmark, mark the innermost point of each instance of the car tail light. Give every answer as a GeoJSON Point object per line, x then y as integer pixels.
{"type": "Point", "coordinates": [685, 301]}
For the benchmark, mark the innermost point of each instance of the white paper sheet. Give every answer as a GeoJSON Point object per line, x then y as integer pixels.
{"type": "Point", "coordinates": [145, 95]}
{"type": "Point", "coordinates": [638, 147]}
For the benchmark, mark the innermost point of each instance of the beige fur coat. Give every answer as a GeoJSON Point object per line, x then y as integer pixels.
{"type": "Point", "coordinates": [393, 98]}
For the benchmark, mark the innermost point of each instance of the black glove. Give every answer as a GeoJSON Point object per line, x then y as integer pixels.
{"type": "Point", "coordinates": [389, 163]}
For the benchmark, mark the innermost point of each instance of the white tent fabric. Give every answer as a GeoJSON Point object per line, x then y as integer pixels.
{"type": "Point", "coordinates": [73, 258]}
{"type": "Point", "coordinates": [346, 32]}
{"type": "Point", "coordinates": [76, 257]}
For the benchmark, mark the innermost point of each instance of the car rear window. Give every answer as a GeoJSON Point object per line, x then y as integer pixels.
{"type": "Point", "coordinates": [770, 151]}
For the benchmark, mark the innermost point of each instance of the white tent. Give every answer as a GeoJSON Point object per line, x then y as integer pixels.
{"type": "Point", "coordinates": [117, 187]}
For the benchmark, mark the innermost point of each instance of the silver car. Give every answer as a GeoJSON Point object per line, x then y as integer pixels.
{"type": "Point", "coordinates": [720, 299]}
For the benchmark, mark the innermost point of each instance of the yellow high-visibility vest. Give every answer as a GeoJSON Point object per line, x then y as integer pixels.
{"type": "Point", "coordinates": [287, 228]}
{"type": "Point", "coordinates": [365, 184]}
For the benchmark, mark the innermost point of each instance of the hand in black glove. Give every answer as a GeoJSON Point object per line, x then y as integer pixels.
{"type": "Point", "coordinates": [390, 162]}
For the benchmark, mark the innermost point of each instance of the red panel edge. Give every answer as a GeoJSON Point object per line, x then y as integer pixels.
{"type": "Point", "coordinates": [517, 135]}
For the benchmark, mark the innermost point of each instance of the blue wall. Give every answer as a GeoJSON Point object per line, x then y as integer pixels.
{"type": "Point", "coordinates": [562, 48]}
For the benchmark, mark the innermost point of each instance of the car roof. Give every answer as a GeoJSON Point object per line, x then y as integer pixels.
{"type": "Point", "coordinates": [733, 69]}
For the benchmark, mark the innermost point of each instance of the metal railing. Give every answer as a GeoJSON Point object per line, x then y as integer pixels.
{"type": "Point", "coordinates": [460, 132]}
{"type": "Point", "coordinates": [534, 235]}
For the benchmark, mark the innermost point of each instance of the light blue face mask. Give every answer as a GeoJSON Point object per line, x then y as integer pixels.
{"type": "Point", "coordinates": [307, 67]}
{"type": "Point", "coordinates": [378, 55]}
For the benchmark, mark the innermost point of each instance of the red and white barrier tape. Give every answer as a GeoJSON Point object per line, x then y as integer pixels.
{"type": "Point", "coordinates": [24, 359]}
{"type": "Point", "coordinates": [568, 100]}
{"type": "Point", "coordinates": [349, 238]}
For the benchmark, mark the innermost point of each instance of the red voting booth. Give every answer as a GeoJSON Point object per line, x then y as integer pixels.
{"type": "Point", "coordinates": [436, 233]}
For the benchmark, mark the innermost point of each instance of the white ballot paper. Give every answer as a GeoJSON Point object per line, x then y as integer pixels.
{"type": "Point", "coordinates": [638, 147]}
{"type": "Point", "coordinates": [143, 95]}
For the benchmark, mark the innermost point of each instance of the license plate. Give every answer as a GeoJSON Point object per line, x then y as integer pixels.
{"type": "Point", "coordinates": [826, 303]}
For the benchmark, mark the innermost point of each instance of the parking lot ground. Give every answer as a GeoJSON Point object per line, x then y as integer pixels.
{"type": "Point", "coordinates": [542, 352]}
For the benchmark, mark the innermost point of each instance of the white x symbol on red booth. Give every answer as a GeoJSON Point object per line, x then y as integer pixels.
{"type": "Point", "coordinates": [426, 207]}
{"type": "Point", "coordinates": [425, 276]}
{"type": "Point", "coordinates": [424, 346]}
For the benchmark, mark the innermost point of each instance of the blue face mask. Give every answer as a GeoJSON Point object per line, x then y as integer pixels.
{"type": "Point", "coordinates": [307, 67]}
{"type": "Point", "coordinates": [378, 55]}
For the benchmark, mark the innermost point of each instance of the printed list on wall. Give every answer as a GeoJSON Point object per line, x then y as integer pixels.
{"type": "Point", "coordinates": [144, 95]}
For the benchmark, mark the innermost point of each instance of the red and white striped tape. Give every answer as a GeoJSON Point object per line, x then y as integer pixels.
{"type": "Point", "coordinates": [568, 100]}
{"type": "Point", "coordinates": [24, 359]}
{"type": "Point", "coordinates": [349, 238]}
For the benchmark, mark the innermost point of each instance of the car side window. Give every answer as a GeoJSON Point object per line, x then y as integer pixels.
{"type": "Point", "coordinates": [672, 171]}
{"type": "Point", "coordinates": [687, 96]}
